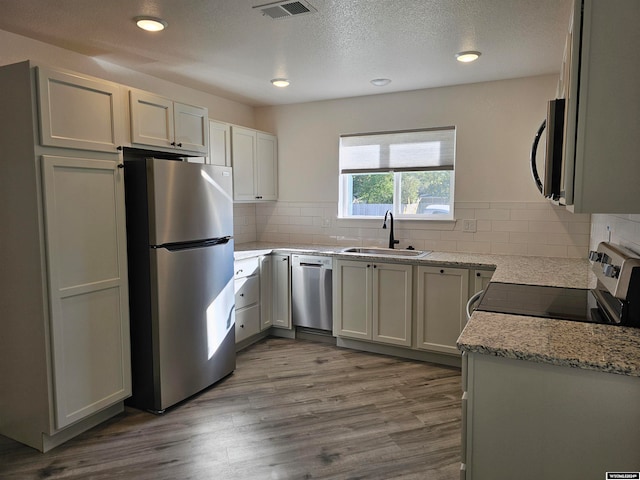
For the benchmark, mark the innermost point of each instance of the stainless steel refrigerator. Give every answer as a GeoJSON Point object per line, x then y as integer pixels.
{"type": "Point", "coordinates": [180, 253]}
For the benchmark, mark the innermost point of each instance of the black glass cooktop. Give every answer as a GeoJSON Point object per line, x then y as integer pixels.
{"type": "Point", "coordinates": [541, 301]}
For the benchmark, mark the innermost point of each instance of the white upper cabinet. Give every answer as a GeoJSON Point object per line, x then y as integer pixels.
{"type": "Point", "coordinates": [219, 144]}
{"type": "Point", "coordinates": [159, 122]}
{"type": "Point", "coordinates": [78, 112]}
{"type": "Point", "coordinates": [255, 165]}
{"type": "Point", "coordinates": [602, 114]}
{"type": "Point", "coordinates": [191, 127]}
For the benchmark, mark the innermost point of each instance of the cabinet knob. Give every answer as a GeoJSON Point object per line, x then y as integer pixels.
{"type": "Point", "coordinates": [375, 266]}
{"type": "Point", "coordinates": [241, 326]}
{"type": "Point", "coordinates": [285, 259]}
{"type": "Point", "coordinates": [180, 144]}
{"type": "Point", "coordinates": [368, 266]}
{"type": "Point", "coordinates": [119, 148]}
{"type": "Point", "coordinates": [242, 294]}
{"type": "Point", "coordinates": [477, 274]}
{"type": "Point", "coordinates": [441, 271]}
{"type": "Point", "coordinates": [121, 165]}
{"type": "Point", "coordinates": [173, 144]}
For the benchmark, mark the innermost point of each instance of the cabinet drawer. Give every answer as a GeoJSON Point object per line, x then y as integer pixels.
{"type": "Point", "coordinates": [247, 266]}
{"type": "Point", "coordinates": [247, 291]}
{"type": "Point", "coordinates": [247, 322]}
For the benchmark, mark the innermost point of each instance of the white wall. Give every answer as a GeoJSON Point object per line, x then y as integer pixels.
{"type": "Point", "coordinates": [16, 48]}
{"type": "Point", "coordinates": [495, 125]}
{"type": "Point", "coordinates": [620, 229]}
{"type": "Point", "coordinates": [495, 122]}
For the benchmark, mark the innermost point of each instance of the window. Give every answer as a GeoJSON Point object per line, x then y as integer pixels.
{"type": "Point", "coordinates": [410, 173]}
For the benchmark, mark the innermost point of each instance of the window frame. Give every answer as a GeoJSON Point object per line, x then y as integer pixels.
{"type": "Point", "coordinates": [345, 185]}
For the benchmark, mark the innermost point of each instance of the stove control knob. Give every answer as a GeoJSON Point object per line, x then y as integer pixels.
{"type": "Point", "coordinates": [595, 256]}
{"type": "Point", "coordinates": [610, 271]}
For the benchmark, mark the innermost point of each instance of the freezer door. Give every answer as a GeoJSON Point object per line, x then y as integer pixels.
{"type": "Point", "coordinates": [188, 201]}
{"type": "Point", "coordinates": [193, 320]}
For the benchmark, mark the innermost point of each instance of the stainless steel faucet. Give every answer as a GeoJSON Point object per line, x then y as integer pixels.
{"type": "Point", "coordinates": [392, 241]}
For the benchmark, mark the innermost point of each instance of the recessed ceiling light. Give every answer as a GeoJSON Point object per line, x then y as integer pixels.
{"type": "Point", "coordinates": [150, 24]}
{"type": "Point", "coordinates": [280, 82]}
{"type": "Point", "coordinates": [468, 56]}
{"type": "Point", "coordinates": [380, 82]}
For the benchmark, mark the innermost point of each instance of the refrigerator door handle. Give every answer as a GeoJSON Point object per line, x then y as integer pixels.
{"type": "Point", "coordinates": [172, 247]}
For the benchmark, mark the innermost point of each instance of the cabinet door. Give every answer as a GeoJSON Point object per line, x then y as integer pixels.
{"type": "Point", "coordinates": [219, 144]}
{"type": "Point", "coordinates": [442, 296]}
{"type": "Point", "coordinates": [281, 291]}
{"type": "Point", "coordinates": [266, 291]}
{"type": "Point", "coordinates": [480, 280]}
{"type": "Point", "coordinates": [392, 303]}
{"type": "Point", "coordinates": [87, 273]}
{"type": "Point", "coordinates": [352, 299]}
{"type": "Point", "coordinates": [151, 120]}
{"type": "Point", "coordinates": [243, 151]}
{"type": "Point", "coordinates": [247, 322]}
{"type": "Point", "coordinates": [191, 128]}
{"type": "Point", "coordinates": [267, 166]}
{"type": "Point", "coordinates": [77, 112]}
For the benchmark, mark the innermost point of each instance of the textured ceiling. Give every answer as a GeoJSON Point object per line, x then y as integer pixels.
{"type": "Point", "coordinates": [230, 49]}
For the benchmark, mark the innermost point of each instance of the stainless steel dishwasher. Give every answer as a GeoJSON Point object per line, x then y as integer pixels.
{"type": "Point", "coordinates": [311, 292]}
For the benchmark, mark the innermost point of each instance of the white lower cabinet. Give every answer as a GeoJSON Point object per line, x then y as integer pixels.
{"type": "Point", "coordinates": [88, 292]}
{"type": "Point", "coordinates": [532, 421]}
{"type": "Point", "coordinates": [266, 292]}
{"type": "Point", "coordinates": [281, 291]}
{"type": "Point", "coordinates": [247, 293]}
{"type": "Point", "coordinates": [373, 301]}
{"type": "Point", "coordinates": [442, 294]}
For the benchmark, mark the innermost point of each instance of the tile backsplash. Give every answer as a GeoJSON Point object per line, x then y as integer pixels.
{"type": "Point", "coordinates": [621, 229]}
{"type": "Point", "coordinates": [508, 228]}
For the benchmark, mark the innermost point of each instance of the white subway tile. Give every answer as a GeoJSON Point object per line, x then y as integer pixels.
{"type": "Point", "coordinates": [508, 248]}
{"type": "Point", "coordinates": [531, 214]}
{"type": "Point", "coordinates": [510, 226]}
{"type": "Point", "coordinates": [547, 250]}
{"type": "Point", "coordinates": [550, 227]}
{"type": "Point", "coordinates": [493, 214]}
{"type": "Point", "coordinates": [474, 247]}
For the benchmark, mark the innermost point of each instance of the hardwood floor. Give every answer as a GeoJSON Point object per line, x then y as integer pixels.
{"type": "Point", "coordinates": [293, 409]}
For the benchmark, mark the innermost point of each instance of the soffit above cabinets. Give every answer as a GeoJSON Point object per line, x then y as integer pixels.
{"type": "Point", "coordinates": [230, 48]}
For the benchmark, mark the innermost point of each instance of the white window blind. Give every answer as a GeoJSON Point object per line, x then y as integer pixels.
{"type": "Point", "coordinates": [413, 150]}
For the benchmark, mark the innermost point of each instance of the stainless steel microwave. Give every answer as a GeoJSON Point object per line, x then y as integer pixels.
{"type": "Point", "coordinates": [552, 185]}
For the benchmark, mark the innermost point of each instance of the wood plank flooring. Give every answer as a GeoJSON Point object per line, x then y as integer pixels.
{"type": "Point", "coordinates": [293, 409]}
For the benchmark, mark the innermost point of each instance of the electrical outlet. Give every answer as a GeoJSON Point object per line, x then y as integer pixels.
{"type": "Point", "coordinates": [469, 226]}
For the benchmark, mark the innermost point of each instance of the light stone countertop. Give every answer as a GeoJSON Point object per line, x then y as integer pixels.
{"type": "Point", "coordinates": [588, 346]}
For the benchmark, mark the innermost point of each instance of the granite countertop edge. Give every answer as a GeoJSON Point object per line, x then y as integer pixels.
{"type": "Point", "coordinates": [603, 348]}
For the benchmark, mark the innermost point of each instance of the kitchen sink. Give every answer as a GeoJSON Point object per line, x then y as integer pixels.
{"type": "Point", "coordinates": [386, 252]}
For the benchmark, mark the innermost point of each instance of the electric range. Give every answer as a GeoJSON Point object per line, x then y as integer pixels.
{"type": "Point", "coordinates": [614, 301]}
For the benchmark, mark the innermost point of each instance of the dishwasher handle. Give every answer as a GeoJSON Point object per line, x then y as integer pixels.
{"type": "Point", "coordinates": [315, 265]}
{"type": "Point", "coordinates": [312, 261]}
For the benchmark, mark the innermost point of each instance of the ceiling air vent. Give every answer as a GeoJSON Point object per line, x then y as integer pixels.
{"type": "Point", "coordinates": [285, 9]}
